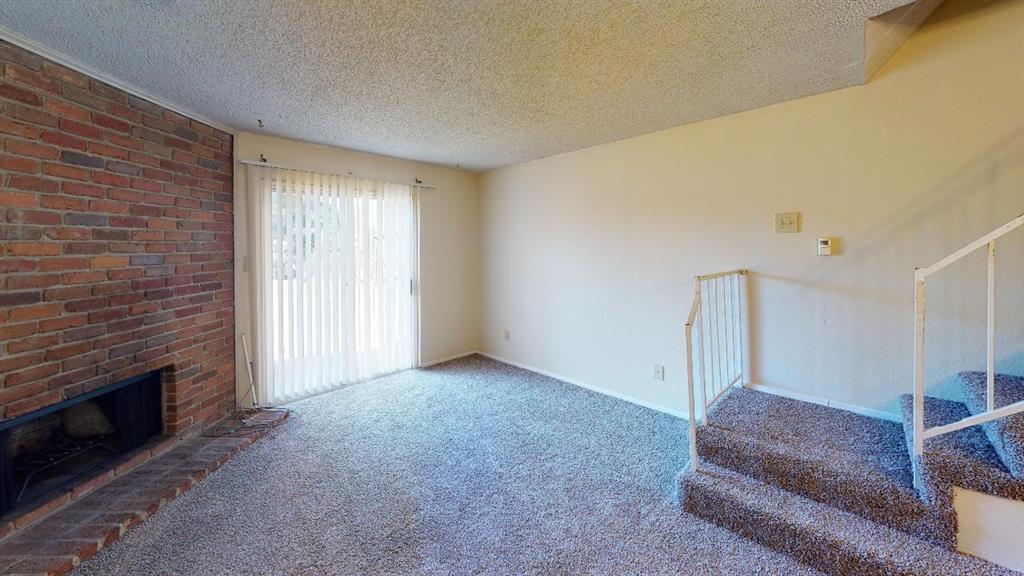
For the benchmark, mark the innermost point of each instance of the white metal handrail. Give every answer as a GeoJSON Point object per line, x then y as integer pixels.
{"type": "Point", "coordinates": [717, 313]}
{"type": "Point", "coordinates": [991, 413]}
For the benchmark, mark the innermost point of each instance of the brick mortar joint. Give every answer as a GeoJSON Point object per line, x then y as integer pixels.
{"type": "Point", "coordinates": [64, 133]}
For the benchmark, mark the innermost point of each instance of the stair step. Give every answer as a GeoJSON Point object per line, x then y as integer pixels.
{"type": "Point", "coordinates": [823, 537]}
{"type": "Point", "coordinates": [852, 462]}
{"type": "Point", "coordinates": [1005, 434]}
{"type": "Point", "coordinates": [836, 480]}
{"type": "Point", "coordinates": [962, 458]}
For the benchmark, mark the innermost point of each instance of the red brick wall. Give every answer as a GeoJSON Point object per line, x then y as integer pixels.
{"type": "Point", "coordinates": [116, 219]}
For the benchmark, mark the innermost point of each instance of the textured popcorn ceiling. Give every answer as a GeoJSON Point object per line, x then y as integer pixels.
{"type": "Point", "coordinates": [476, 83]}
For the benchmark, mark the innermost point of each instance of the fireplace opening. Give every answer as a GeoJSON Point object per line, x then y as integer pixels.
{"type": "Point", "coordinates": [59, 446]}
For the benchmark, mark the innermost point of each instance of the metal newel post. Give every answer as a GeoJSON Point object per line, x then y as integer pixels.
{"type": "Point", "coordinates": [918, 376]}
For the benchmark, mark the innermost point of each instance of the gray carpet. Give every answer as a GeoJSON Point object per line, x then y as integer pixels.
{"type": "Point", "coordinates": [825, 537]}
{"type": "Point", "coordinates": [1005, 434]}
{"type": "Point", "coordinates": [877, 445]}
{"type": "Point", "coordinates": [849, 461]}
{"type": "Point", "coordinates": [962, 458]}
{"type": "Point", "coordinates": [472, 467]}
{"type": "Point", "coordinates": [827, 486]}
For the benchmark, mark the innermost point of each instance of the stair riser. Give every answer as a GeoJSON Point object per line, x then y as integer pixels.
{"type": "Point", "coordinates": [828, 555]}
{"type": "Point", "coordinates": [853, 494]}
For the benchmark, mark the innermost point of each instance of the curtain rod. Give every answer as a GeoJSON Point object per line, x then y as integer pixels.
{"type": "Point", "coordinates": [417, 184]}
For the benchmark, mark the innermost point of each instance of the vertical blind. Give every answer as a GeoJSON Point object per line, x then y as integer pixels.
{"type": "Point", "coordinates": [332, 263]}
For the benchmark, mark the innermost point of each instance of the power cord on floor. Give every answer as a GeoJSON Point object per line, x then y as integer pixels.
{"type": "Point", "coordinates": [242, 422]}
{"type": "Point", "coordinates": [246, 417]}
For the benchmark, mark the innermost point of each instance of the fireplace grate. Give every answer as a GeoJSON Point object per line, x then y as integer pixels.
{"type": "Point", "coordinates": [47, 464]}
{"type": "Point", "coordinates": [52, 448]}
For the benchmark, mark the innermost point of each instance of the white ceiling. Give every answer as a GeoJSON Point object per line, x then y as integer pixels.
{"type": "Point", "coordinates": [475, 83]}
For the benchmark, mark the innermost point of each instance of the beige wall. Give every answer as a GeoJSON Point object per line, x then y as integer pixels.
{"type": "Point", "coordinates": [588, 257]}
{"type": "Point", "coordinates": [449, 234]}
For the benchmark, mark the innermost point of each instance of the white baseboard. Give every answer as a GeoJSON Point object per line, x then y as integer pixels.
{"type": "Point", "coordinates": [448, 359]}
{"type": "Point", "coordinates": [881, 414]}
{"type": "Point", "coordinates": [597, 389]}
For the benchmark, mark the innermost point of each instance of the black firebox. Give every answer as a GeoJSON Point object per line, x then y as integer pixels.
{"type": "Point", "coordinates": [56, 447]}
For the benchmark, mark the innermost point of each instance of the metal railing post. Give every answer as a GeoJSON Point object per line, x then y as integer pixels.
{"type": "Point", "coordinates": [742, 291]}
{"type": "Point", "coordinates": [716, 365]}
{"type": "Point", "coordinates": [698, 295]}
{"type": "Point", "coordinates": [692, 405]}
{"type": "Point", "coordinates": [919, 295]}
{"type": "Point", "coordinates": [990, 364]}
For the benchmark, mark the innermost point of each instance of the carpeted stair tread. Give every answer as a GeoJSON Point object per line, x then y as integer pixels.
{"type": "Point", "coordinates": [876, 443]}
{"type": "Point", "coordinates": [852, 462]}
{"type": "Point", "coordinates": [823, 537]}
{"type": "Point", "coordinates": [962, 458]}
{"type": "Point", "coordinates": [832, 478]}
{"type": "Point", "coordinates": [1005, 434]}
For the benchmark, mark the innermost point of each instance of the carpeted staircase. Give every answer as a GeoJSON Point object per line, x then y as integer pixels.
{"type": "Point", "coordinates": [834, 489]}
{"type": "Point", "coordinates": [1005, 434]}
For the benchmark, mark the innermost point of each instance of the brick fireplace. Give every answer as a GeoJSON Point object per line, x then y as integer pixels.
{"type": "Point", "coordinates": [116, 231]}
{"type": "Point", "coordinates": [58, 447]}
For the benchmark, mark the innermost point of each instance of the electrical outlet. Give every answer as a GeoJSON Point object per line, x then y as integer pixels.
{"type": "Point", "coordinates": [508, 335]}
{"type": "Point", "coordinates": [787, 222]}
{"type": "Point", "coordinates": [659, 372]}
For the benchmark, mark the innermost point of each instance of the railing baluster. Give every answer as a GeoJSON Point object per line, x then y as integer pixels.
{"type": "Point", "coordinates": [735, 330]}
{"type": "Point", "coordinates": [919, 296]}
{"type": "Point", "coordinates": [716, 349]}
{"type": "Point", "coordinates": [703, 359]}
{"type": "Point", "coordinates": [727, 308]}
{"type": "Point", "coordinates": [741, 337]}
{"type": "Point", "coordinates": [721, 334]}
{"type": "Point", "coordinates": [729, 328]}
{"type": "Point", "coordinates": [719, 317]}
{"type": "Point", "coordinates": [735, 325]}
{"type": "Point", "coordinates": [990, 364]}
{"type": "Point", "coordinates": [690, 400]}
{"type": "Point", "coordinates": [738, 324]}
{"type": "Point", "coordinates": [715, 367]}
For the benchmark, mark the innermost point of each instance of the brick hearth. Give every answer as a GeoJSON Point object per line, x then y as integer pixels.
{"type": "Point", "coordinates": [117, 245]}
{"type": "Point", "coordinates": [62, 539]}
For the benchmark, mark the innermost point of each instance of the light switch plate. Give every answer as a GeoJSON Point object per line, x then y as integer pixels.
{"type": "Point", "coordinates": [787, 222]}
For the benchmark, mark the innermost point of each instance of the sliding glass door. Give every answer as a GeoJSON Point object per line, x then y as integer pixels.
{"type": "Point", "coordinates": [338, 266]}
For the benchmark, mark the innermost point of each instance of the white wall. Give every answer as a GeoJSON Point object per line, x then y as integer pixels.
{"type": "Point", "coordinates": [449, 237]}
{"type": "Point", "coordinates": [588, 257]}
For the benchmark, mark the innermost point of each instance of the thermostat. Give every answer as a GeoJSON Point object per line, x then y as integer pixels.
{"type": "Point", "coordinates": [824, 246]}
